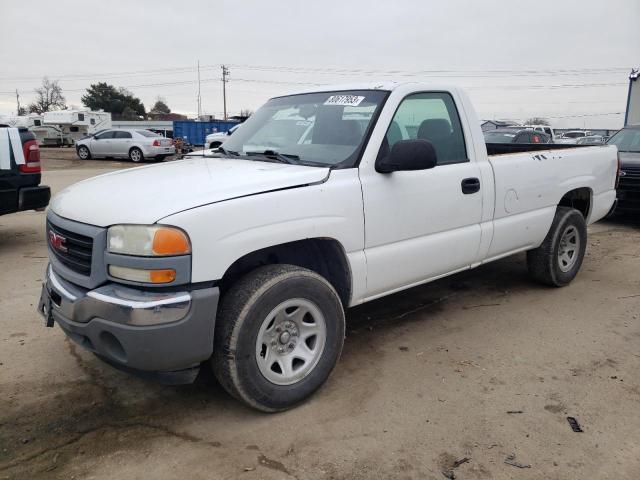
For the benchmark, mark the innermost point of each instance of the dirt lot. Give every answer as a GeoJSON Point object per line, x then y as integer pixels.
{"type": "Point", "coordinates": [427, 377]}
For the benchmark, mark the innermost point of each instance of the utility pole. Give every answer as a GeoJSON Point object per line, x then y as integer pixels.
{"type": "Point", "coordinates": [199, 97]}
{"type": "Point", "coordinates": [225, 79]}
{"type": "Point", "coordinates": [18, 102]}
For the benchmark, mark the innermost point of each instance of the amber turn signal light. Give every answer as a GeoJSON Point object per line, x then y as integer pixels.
{"type": "Point", "coordinates": [170, 241]}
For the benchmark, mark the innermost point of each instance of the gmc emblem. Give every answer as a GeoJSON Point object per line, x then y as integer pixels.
{"type": "Point", "coordinates": [57, 242]}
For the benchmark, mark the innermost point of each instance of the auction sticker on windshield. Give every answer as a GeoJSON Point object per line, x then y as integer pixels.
{"type": "Point", "coordinates": [344, 100]}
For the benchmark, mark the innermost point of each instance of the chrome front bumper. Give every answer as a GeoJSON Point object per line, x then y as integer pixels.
{"type": "Point", "coordinates": [114, 302]}
{"type": "Point", "coordinates": [135, 329]}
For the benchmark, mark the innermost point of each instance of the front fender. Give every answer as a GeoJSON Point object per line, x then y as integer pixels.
{"type": "Point", "coordinates": [223, 232]}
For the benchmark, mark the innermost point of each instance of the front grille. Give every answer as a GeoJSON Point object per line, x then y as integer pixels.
{"type": "Point", "coordinates": [77, 251]}
{"type": "Point", "coordinates": [630, 173]}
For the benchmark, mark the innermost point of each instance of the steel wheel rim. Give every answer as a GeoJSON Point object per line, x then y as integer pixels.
{"type": "Point", "coordinates": [290, 341]}
{"type": "Point", "coordinates": [135, 155]}
{"type": "Point", "coordinates": [569, 248]}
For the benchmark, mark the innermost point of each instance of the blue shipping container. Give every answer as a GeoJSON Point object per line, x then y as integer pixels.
{"type": "Point", "coordinates": [194, 133]}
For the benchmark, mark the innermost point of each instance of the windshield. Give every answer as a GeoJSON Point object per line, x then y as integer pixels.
{"type": "Point", "coordinates": [499, 137]}
{"type": "Point", "coordinates": [326, 129]}
{"type": "Point", "coordinates": [627, 140]}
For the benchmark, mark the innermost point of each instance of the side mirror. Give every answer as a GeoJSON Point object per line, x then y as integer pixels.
{"type": "Point", "coordinates": [408, 155]}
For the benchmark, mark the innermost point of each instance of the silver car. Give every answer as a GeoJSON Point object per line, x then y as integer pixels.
{"type": "Point", "coordinates": [136, 145]}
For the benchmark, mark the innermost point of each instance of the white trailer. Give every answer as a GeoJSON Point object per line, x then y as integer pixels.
{"type": "Point", "coordinates": [72, 125]}
{"type": "Point", "coordinates": [28, 121]}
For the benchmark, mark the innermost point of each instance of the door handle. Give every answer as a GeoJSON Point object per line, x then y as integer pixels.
{"type": "Point", "coordinates": [470, 185]}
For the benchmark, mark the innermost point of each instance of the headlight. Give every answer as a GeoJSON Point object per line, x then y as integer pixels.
{"type": "Point", "coordinates": [147, 241]}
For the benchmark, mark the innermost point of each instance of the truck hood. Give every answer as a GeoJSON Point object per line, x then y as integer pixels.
{"type": "Point", "coordinates": [147, 194]}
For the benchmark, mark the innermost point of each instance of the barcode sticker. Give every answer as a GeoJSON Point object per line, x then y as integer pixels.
{"type": "Point", "coordinates": [344, 100]}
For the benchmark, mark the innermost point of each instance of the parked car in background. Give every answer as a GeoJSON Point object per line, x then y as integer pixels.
{"type": "Point", "coordinates": [591, 140]}
{"type": "Point", "coordinates": [214, 140]}
{"type": "Point", "coordinates": [541, 128]}
{"type": "Point", "coordinates": [628, 192]}
{"type": "Point", "coordinates": [136, 145]}
{"type": "Point", "coordinates": [249, 260]}
{"type": "Point", "coordinates": [20, 177]}
{"type": "Point", "coordinates": [516, 135]}
{"type": "Point", "coordinates": [572, 136]}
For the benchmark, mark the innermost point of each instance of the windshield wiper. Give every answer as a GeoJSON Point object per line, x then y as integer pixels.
{"type": "Point", "coordinates": [280, 157]}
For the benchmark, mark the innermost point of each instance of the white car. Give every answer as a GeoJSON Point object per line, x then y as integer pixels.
{"type": "Point", "coordinates": [573, 136]}
{"type": "Point", "coordinates": [136, 145]}
{"type": "Point", "coordinates": [214, 140]}
{"type": "Point", "coordinates": [247, 258]}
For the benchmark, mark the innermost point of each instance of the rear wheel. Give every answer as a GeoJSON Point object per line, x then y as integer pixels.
{"type": "Point", "coordinates": [557, 261]}
{"type": "Point", "coordinates": [135, 155]}
{"type": "Point", "coordinates": [84, 153]}
{"type": "Point", "coordinates": [279, 334]}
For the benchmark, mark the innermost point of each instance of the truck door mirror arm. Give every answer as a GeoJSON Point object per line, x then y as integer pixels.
{"type": "Point", "coordinates": [407, 155]}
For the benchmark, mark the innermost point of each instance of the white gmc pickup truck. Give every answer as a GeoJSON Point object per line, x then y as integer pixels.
{"type": "Point", "coordinates": [248, 256]}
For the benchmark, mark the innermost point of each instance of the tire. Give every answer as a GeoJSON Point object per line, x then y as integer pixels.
{"type": "Point", "coordinates": [83, 153]}
{"type": "Point", "coordinates": [246, 356]}
{"type": "Point", "coordinates": [136, 155]}
{"type": "Point", "coordinates": [557, 261]}
{"type": "Point", "coordinates": [213, 145]}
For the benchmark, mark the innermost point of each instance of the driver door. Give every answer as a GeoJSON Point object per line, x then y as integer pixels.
{"type": "Point", "coordinates": [425, 223]}
{"type": "Point", "coordinates": [101, 144]}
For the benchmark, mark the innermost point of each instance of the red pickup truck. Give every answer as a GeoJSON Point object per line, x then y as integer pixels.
{"type": "Point", "coordinates": [20, 187]}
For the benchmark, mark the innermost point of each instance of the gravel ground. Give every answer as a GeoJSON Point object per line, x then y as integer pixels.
{"type": "Point", "coordinates": [428, 377]}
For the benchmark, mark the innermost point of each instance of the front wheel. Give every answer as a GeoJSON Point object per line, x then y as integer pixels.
{"type": "Point", "coordinates": [557, 261]}
{"type": "Point", "coordinates": [279, 334]}
{"type": "Point", "coordinates": [135, 155]}
{"type": "Point", "coordinates": [84, 153]}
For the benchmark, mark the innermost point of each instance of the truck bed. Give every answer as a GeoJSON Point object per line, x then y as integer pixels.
{"type": "Point", "coordinates": [504, 148]}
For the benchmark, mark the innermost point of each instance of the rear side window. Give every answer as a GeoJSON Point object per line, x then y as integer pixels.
{"type": "Point", "coordinates": [147, 133]}
{"type": "Point", "coordinates": [122, 135]}
{"type": "Point", "coordinates": [433, 117]}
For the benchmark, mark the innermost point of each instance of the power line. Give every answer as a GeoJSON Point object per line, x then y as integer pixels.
{"type": "Point", "coordinates": [438, 72]}
{"type": "Point", "coordinates": [479, 73]}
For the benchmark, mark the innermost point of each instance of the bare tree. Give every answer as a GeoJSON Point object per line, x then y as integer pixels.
{"type": "Point", "coordinates": [537, 121]}
{"type": "Point", "coordinates": [48, 97]}
{"type": "Point", "coordinates": [245, 112]}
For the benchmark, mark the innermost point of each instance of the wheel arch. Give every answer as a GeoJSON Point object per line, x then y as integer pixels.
{"type": "Point", "coordinates": [579, 198]}
{"type": "Point", "coordinates": [325, 256]}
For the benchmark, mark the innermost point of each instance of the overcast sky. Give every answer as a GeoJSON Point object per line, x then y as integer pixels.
{"type": "Point", "coordinates": [567, 61]}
